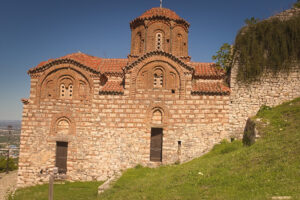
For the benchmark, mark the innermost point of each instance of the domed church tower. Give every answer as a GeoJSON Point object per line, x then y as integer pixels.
{"type": "Point", "coordinates": [159, 29]}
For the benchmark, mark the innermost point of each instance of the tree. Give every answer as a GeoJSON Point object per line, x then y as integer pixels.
{"type": "Point", "coordinates": [224, 56]}
{"type": "Point", "coordinates": [297, 4]}
{"type": "Point", "coordinates": [251, 21]}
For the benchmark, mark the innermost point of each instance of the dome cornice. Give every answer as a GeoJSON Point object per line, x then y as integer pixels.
{"type": "Point", "coordinates": [158, 14]}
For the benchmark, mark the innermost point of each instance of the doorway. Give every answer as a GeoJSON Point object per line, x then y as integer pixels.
{"type": "Point", "coordinates": [156, 144]}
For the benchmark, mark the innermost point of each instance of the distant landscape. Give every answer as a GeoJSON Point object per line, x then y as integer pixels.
{"type": "Point", "coordinates": [10, 133]}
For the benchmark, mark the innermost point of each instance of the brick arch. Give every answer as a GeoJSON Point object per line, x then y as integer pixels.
{"type": "Point", "coordinates": [179, 48]}
{"type": "Point", "coordinates": [152, 30]}
{"type": "Point", "coordinates": [152, 62]}
{"type": "Point", "coordinates": [152, 108]}
{"type": "Point", "coordinates": [55, 73]}
{"type": "Point", "coordinates": [153, 22]}
{"type": "Point", "coordinates": [63, 117]}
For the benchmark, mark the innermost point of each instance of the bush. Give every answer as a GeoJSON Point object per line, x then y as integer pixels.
{"type": "Point", "coordinates": [226, 147]}
{"type": "Point", "coordinates": [262, 109]}
{"type": "Point", "coordinates": [267, 45]}
{"type": "Point", "coordinates": [11, 164]}
{"type": "Point", "coordinates": [297, 4]}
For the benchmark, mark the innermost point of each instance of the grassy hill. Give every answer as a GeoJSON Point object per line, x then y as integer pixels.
{"type": "Point", "coordinates": [270, 167]}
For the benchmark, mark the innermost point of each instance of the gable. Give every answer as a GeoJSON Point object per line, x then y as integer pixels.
{"type": "Point", "coordinates": [159, 56]}
{"type": "Point", "coordinates": [90, 63]}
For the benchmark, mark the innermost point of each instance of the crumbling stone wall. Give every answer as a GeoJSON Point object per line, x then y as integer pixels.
{"type": "Point", "coordinates": [271, 90]}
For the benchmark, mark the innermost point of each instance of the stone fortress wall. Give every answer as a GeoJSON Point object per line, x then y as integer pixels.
{"type": "Point", "coordinates": [270, 90]}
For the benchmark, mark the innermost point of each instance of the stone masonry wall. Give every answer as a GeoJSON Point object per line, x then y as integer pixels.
{"type": "Point", "coordinates": [110, 133]}
{"type": "Point", "coordinates": [271, 90]}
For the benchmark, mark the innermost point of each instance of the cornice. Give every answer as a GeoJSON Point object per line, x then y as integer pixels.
{"type": "Point", "coordinates": [161, 53]}
{"type": "Point", "coordinates": [61, 61]}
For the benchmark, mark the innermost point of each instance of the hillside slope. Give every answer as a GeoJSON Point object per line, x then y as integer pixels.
{"type": "Point", "coordinates": [270, 167]}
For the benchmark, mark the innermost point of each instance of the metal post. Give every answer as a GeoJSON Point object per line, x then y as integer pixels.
{"type": "Point", "coordinates": [7, 160]}
{"type": "Point", "coordinates": [50, 193]}
{"type": "Point", "coordinates": [9, 127]}
{"type": "Point", "coordinates": [51, 183]}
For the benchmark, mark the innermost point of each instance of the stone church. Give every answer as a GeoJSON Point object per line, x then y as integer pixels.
{"type": "Point", "coordinates": [92, 117]}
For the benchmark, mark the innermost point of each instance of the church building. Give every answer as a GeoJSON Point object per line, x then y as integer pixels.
{"type": "Point", "coordinates": [93, 117]}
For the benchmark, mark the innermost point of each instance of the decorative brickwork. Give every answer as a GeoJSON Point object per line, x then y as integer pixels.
{"type": "Point", "coordinates": [159, 29]}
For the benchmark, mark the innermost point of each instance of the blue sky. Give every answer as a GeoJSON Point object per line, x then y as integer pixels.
{"type": "Point", "coordinates": [32, 31]}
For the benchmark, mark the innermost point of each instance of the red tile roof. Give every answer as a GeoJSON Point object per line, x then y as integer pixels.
{"type": "Point", "coordinates": [112, 87]}
{"type": "Point", "coordinates": [109, 65]}
{"type": "Point", "coordinates": [210, 88]}
{"type": "Point", "coordinates": [87, 60]}
{"type": "Point", "coordinates": [102, 65]}
{"type": "Point", "coordinates": [207, 70]}
{"type": "Point", "coordinates": [160, 12]}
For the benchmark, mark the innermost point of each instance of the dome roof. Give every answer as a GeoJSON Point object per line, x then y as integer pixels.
{"type": "Point", "coordinates": [160, 13]}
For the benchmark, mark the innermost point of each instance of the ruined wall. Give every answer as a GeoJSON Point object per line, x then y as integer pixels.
{"type": "Point", "coordinates": [271, 90]}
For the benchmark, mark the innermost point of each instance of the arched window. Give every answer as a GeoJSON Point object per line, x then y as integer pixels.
{"type": "Point", "coordinates": [159, 41]}
{"type": "Point", "coordinates": [62, 91]}
{"type": "Point", "coordinates": [70, 91]}
{"type": "Point", "coordinates": [66, 88]}
{"type": "Point", "coordinates": [158, 78]}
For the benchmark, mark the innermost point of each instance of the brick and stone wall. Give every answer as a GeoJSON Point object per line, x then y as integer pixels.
{"type": "Point", "coordinates": [107, 133]}
{"type": "Point", "coordinates": [271, 90]}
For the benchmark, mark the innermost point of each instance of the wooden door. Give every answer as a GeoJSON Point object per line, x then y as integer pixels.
{"type": "Point", "coordinates": [156, 144]}
{"type": "Point", "coordinates": [61, 156]}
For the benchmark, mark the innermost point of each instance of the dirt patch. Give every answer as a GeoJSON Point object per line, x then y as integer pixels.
{"type": "Point", "coordinates": [8, 183]}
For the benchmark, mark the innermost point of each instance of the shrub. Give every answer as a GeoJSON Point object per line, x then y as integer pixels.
{"type": "Point", "coordinates": [11, 164]}
{"type": "Point", "coordinates": [267, 45]}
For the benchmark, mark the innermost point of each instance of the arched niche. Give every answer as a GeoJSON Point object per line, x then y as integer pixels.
{"type": "Point", "coordinates": [63, 125]}
{"type": "Point", "coordinates": [141, 77]}
{"type": "Point", "coordinates": [179, 41]}
{"type": "Point", "coordinates": [138, 40]}
{"type": "Point", "coordinates": [139, 43]}
{"type": "Point", "coordinates": [157, 115]}
{"type": "Point", "coordinates": [158, 76]}
{"type": "Point", "coordinates": [64, 82]}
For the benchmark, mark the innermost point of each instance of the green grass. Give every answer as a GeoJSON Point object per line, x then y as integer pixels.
{"type": "Point", "coordinates": [67, 191]}
{"type": "Point", "coordinates": [270, 167]}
